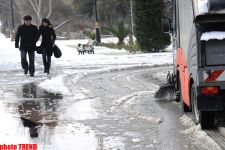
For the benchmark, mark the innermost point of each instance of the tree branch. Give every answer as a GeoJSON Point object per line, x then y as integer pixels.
{"type": "Point", "coordinates": [50, 9]}
{"type": "Point", "coordinates": [34, 6]}
{"type": "Point", "coordinates": [36, 3]}
{"type": "Point", "coordinates": [40, 9]}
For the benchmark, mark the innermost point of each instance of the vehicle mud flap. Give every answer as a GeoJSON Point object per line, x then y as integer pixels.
{"type": "Point", "coordinates": [205, 118]}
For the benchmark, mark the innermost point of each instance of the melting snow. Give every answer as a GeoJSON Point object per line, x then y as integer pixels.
{"type": "Point", "coordinates": [113, 143]}
{"type": "Point", "coordinates": [196, 135]}
{"type": "Point", "coordinates": [132, 99]}
{"type": "Point", "coordinates": [136, 140]}
{"type": "Point", "coordinates": [82, 110]}
{"type": "Point", "coordinates": [55, 85]}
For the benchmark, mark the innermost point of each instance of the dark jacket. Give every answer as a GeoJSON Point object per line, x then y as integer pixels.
{"type": "Point", "coordinates": [48, 38]}
{"type": "Point", "coordinates": [27, 36]}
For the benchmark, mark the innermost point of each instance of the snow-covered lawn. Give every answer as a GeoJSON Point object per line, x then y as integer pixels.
{"type": "Point", "coordinates": [104, 60]}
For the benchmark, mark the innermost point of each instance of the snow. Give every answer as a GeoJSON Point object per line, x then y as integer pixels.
{"type": "Point", "coordinates": [105, 60]}
{"type": "Point", "coordinates": [64, 136]}
{"type": "Point", "coordinates": [214, 35]}
{"type": "Point", "coordinates": [73, 136]}
{"type": "Point", "coordinates": [124, 99]}
{"type": "Point", "coordinates": [9, 121]}
{"type": "Point", "coordinates": [73, 68]}
{"type": "Point", "coordinates": [197, 135]}
{"type": "Point", "coordinates": [57, 85]}
{"type": "Point", "coordinates": [129, 100]}
{"type": "Point", "coordinates": [107, 65]}
{"type": "Point", "coordinates": [136, 140]}
{"type": "Point", "coordinates": [113, 143]}
{"type": "Point", "coordinates": [82, 110]}
{"type": "Point", "coordinates": [203, 7]}
{"type": "Point", "coordinates": [9, 56]}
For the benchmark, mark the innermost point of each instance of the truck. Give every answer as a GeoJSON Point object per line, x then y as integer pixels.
{"type": "Point", "coordinates": [198, 33]}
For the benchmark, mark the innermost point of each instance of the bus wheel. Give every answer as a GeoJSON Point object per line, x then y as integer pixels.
{"type": "Point", "coordinates": [206, 119]}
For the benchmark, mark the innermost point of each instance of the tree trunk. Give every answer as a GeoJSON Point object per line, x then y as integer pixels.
{"type": "Point", "coordinates": [131, 24]}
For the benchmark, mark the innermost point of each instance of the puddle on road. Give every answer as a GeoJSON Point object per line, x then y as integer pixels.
{"type": "Point", "coordinates": [31, 115]}
{"type": "Point", "coordinates": [34, 106]}
{"type": "Point", "coordinates": [37, 108]}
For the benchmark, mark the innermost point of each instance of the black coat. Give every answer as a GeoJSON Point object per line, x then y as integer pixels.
{"type": "Point", "coordinates": [48, 38]}
{"type": "Point", "coordinates": [27, 36]}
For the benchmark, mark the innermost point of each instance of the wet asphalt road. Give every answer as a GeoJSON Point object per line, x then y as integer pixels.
{"type": "Point", "coordinates": [107, 111]}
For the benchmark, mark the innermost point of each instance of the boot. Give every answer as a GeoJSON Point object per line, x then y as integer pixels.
{"type": "Point", "coordinates": [25, 71]}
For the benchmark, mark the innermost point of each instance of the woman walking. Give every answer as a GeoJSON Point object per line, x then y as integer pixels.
{"type": "Point", "coordinates": [48, 39]}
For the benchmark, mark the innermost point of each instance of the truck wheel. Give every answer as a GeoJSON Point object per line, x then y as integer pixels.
{"type": "Point", "coordinates": [206, 119]}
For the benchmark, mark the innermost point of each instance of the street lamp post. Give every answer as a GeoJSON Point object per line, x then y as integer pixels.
{"type": "Point", "coordinates": [97, 25]}
{"type": "Point", "coordinates": [6, 18]}
{"type": "Point", "coordinates": [12, 13]}
{"type": "Point", "coordinates": [12, 33]}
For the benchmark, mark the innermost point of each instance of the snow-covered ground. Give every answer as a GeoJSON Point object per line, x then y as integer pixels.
{"type": "Point", "coordinates": [196, 135]}
{"type": "Point", "coordinates": [65, 73]}
{"type": "Point", "coordinates": [105, 60]}
{"type": "Point", "coordinates": [103, 101]}
{"type": "Point", "coordinates": [9, 56]}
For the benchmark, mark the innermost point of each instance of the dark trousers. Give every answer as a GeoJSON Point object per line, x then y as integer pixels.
{"type": "Point", "coordinates": [25, 65]}
{"type": "Point", "coordinates": [46, 60]}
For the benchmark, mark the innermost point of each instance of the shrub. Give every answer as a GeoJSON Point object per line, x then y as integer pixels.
{"type": "Point", "coordinates": [131, 48]}
{"type": "Point", "coordinates": [90, 34]}
{"type": "Point", "coordinates": [147, 19]}
{"type": "Point", "coordinates": [120, 31]}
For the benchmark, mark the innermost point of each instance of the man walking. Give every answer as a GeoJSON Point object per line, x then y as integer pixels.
{"type": "Point", "coordinates": [27, 35]}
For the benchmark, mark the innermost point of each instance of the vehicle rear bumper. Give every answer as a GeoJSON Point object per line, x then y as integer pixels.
{"type": "Point", "coordinates": [211, 102]}
{"type": "Point", "coordinates": [219, 84]}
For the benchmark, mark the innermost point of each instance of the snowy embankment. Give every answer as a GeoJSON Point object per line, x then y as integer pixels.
{"type": "Point", "coordinates": [196, 135]}
{"type": "Point", "coordinates": [105, 60]}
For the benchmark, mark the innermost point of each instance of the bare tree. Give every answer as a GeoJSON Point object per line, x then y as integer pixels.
{"type": "Point", "coordinates": [7, 13]}
{"type": "Point", "coordinates": [38, 8]}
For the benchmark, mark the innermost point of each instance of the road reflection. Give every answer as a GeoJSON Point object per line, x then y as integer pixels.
{"type": "Point", "coordinates": [32, 115]}
{"type": "Point", "coordinates": [38, 107]}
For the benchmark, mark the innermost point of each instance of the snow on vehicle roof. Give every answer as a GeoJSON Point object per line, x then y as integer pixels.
{"type": "Point", "coordinates": [214, 35]}
{"type": "Point", "coordinates": [203, 7]}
